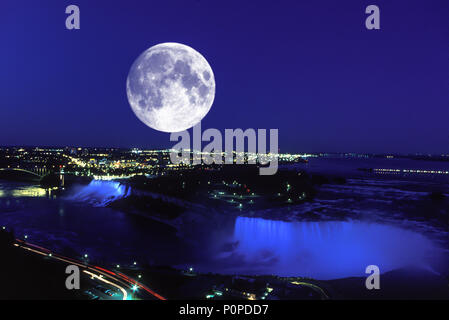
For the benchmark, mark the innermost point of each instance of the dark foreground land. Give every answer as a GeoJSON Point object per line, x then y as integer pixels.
{"type": "Point", "coordinates": [28, 275]}
{"type": "Point", "coordinates": [403, 284]}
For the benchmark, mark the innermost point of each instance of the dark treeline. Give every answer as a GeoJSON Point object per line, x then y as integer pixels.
{"type": "Point", "coordinates": [237, 179]}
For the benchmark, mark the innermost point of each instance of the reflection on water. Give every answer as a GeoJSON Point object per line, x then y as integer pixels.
{"type": "Point", "coordinates": [25, 191]}
{"type": "Point", "coordinates": [327, 250]}
{"type": "Point", "coordinates": [322, 250]}
{"type": "Point", "coordinates": [72, 227]}
{"type": "Point", "coordinates": [30, 192]}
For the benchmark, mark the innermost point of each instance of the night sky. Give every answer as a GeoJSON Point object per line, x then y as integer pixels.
{"type": "Point", "coordinates": [309, 68]}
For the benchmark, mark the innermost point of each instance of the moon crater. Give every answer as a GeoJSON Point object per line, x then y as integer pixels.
{"type": "Point", "coordinates": [170, 87]}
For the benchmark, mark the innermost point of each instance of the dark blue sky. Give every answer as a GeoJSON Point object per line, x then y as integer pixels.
{"type": "Point", "coordinates": [309, 68]}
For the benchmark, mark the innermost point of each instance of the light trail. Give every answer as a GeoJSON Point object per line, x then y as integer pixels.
{"type": "Point", "coordinates": [313, 286]}
{"type": "Point", "coordinates": [35, 251]}
{"type": "Point", "coordinates": [117, 277]}
{"type": "Point", "coordinates": [125, 294]}
{"type": "Point", "coordinates": [134, 282]}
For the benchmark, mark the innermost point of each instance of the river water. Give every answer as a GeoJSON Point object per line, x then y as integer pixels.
{"type": "Point", "coordinates": [368, 220]}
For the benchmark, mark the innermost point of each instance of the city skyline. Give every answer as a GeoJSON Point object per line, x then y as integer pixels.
{"type": "Point", "coordinates": [324, 152]}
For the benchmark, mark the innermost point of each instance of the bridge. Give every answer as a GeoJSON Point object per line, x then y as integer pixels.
{"type": "Point", "coordinates": [34, 173]}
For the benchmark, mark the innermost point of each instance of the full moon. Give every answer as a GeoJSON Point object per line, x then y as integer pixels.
{"type": "Point", "coordinates": [170, 87]}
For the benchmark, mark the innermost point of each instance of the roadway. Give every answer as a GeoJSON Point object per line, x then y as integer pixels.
{"type": "Point", "coordinates": [126, 287]}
